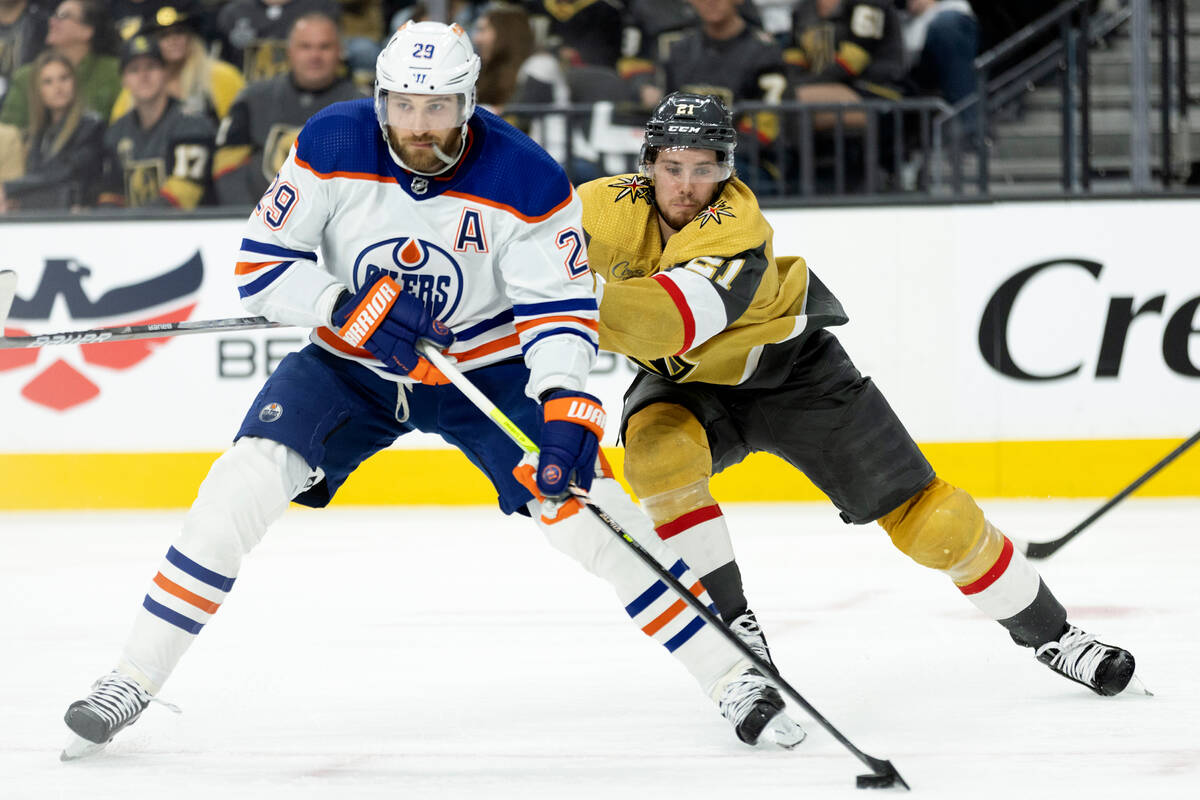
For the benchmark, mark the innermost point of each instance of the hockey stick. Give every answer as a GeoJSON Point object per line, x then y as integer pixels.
{"type": "Point", "coordinates": [1039, 550]}
{"type": "Point", "coordinates": [122, 333]}
{"type": "Point", "coordinates": [8, 290]}
{"type": "Point", "coordinates": [884, 775]}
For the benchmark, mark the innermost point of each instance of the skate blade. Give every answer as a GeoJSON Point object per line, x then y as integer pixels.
{"type": "Point", "coordinates": [1136, 683]}
{"type": "Point", "coordinates": [78, 748]}
{"type": "Point", "coordinates": [783, 732]}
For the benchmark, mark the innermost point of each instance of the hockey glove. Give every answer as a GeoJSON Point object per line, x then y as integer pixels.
{"type": "Point", "coordinates": [570, 439]}
{"type": "Point", "coordinates": [382, 319]}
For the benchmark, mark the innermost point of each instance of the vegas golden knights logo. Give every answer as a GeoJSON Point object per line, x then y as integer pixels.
{"type": "Point", "coordinates": [275, 150]}
{"type": "Point", "coordinates": [673, 368]}
{"type": "Point", "coordinates": [143, 180]}
{"type": "Point", "coordinates": [265, 58]}
{"type": "Point", "coordinates": [819, 46]}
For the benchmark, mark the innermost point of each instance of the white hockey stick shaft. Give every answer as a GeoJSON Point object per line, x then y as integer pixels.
{"type": "Point", "coordinates": [8, 290]}
{"type": "Point", "coordinates": [884, 773]}
{"type": "Point", "coordinates": [120, 333]}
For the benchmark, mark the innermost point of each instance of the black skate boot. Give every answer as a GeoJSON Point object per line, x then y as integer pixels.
{"type": "Point", "coordinates": [750, 701]}
{"type": "Point", "coordinates": [115, 702]}
{"type": "Point", "coordinates": [1103, 668]}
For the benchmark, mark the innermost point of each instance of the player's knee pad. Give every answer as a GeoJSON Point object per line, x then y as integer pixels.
{"type": "Point", "coordinates": [666, 448]}
{"type": "Point", "coordinates": [942, 527]}
{"type": "Point", "coordinates": [246, 489]}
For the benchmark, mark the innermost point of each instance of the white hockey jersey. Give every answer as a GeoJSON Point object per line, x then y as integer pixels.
{"type": "Point", "coordinates": [494, 247]}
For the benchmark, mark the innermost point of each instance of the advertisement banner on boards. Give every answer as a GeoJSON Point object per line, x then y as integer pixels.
{"type": "Point", "coordinates": [1022, 321]}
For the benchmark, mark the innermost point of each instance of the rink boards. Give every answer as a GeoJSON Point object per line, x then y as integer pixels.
{"type": "Point", "coordinates": [1034, 349]}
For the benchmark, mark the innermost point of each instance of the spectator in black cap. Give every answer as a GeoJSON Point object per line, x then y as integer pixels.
{"type": "Point", "coordinates": [79, 30]}
{"type": "Point", "coordinates": [155, 155]}
{"type": "Point", "coordinates": [131, 17]}
{"type": "Point", "coordinates": [203, 84]}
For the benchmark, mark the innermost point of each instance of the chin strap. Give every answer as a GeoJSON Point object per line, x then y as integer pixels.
{"type": "Point", "coordinates": [449, 161]}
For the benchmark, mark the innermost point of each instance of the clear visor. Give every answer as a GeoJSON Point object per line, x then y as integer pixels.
{"type": "Point", "coordinates": [669, 166]}
{"type": "Point", "coordinates": [421, 112]}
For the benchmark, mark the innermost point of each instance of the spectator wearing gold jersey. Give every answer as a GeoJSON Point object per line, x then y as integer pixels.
{"type": "Point", "coordinates": [844, 51]}
{"type": "Point", "coordinates": [255, 137]}
{"type": "Point", "coordinates": [202, 84]}
{"type": "Point", "coordinates": [65, 143]}
{"type": "Point", "coordinates": [155, 155]}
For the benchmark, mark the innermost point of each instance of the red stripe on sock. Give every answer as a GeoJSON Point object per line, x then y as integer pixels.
{"type": "Point", "coordinates": [993, 574]}
{"type": "Point", "coordinates": [688, 520]}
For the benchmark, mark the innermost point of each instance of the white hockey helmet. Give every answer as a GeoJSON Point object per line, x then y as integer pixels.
{"type": "Point", "coordinates": [427, 58]}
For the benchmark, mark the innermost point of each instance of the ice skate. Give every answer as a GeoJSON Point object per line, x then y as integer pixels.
{"type": "Point", "coordinates": [1103, 668]}
{"type": "Point", "coordinates": [764, 718]}
{"type": "Point", "coordinates": [756, 709]}
{"type": "Point", "coordinates": [115, 702]}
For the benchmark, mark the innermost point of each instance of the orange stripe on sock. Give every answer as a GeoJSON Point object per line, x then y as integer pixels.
{"type": "Point", "coordinates": [662, 619]}
{"type": "Point", "coordinates": [671, 613]}
{"type": "Point", "coordinates": [171, 587]}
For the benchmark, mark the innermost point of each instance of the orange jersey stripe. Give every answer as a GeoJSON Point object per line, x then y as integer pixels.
{"type": "Point", "coordinates": [487, 349]}
{"type": "Point", "coordinates": [510, 209]}
{"type": "Point", "coordinates": [590, 324]}
{"type": "Point", "coordinates": [338, 343]}
{"type": "Point", "coordinates": [171, 587]}
{"type": "Point", "coordinates": [246, 267]}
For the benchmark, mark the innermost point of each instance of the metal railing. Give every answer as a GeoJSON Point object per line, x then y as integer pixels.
{"type": "Point", "coordinates": [788, 149]}
{"type": "Point", "coordinates": [1077, 29]}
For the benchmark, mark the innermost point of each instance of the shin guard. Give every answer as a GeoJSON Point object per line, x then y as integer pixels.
{"type": "Point", "coordinates": [246, 490]}
{"type": "Point", "coordinates": [941, 527]}
{"type": "Point", "coordinates": [649, 601]}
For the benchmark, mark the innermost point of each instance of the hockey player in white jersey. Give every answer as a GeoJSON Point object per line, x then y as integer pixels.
{"type": "Point", "coordinates": [453, 227]}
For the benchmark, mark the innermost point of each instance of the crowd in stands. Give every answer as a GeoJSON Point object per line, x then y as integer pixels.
{"type": "Point", "coordinates": [184, 103]}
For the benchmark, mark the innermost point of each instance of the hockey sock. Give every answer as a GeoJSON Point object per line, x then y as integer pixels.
{"type": "Point", "coordinates": [246, 489]}
{"type": "Point", "coordinates": [649, 601]}
{"type": "Point", "coordinates": [941, 527]}
{"type": "Point", "coordinates": [691, 523]}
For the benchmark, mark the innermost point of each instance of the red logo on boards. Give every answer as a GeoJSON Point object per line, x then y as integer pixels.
{"type": "Point", "coordinates": [57, 384]}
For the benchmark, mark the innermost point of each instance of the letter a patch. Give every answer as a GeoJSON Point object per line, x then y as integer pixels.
{"type": "Point", "coordinates": [470, 232]}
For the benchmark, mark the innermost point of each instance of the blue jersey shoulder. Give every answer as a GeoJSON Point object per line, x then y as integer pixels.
{"type": "Point", "coordinates": [511, 169]}
{"type": "Point", "coordinates": [343, 137]}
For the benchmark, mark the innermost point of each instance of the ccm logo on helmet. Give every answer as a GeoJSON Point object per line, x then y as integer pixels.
{"type": "Point", "coordinates": [683, 129]}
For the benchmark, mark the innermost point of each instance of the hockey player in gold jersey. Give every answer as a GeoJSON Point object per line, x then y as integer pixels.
{"type": "Point", "coordinates": [736, 357]}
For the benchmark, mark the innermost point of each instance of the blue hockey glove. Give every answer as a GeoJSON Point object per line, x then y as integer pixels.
{"type": "Point", "coordinates": [386, 322]}
{"type": "Point", "coordinates": [571, 431]}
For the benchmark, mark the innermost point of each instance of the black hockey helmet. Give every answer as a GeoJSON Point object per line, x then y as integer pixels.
{"type": "Point", "coordinates": [684, 119]}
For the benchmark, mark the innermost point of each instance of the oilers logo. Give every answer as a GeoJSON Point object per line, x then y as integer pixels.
{"type": "Point", "coordinates": [423, 269]}
{"type": "Point", "coordinates": [270, 412]}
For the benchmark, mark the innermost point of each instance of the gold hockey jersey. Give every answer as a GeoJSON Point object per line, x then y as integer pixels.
{"type": "Point", "coordinates": [714, 306]}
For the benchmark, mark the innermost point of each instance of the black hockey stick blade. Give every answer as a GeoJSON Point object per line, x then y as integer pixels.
{"type": "Point", "coordinates": [885, 776]}
{"type": "Point", "coordinates": [1040, 550]}
{"type": "Point", "coordinates": [8, 290]}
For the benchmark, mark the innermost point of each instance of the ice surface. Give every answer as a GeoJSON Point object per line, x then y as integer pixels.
{"type": "Point", "coordinates": [451, 653]}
